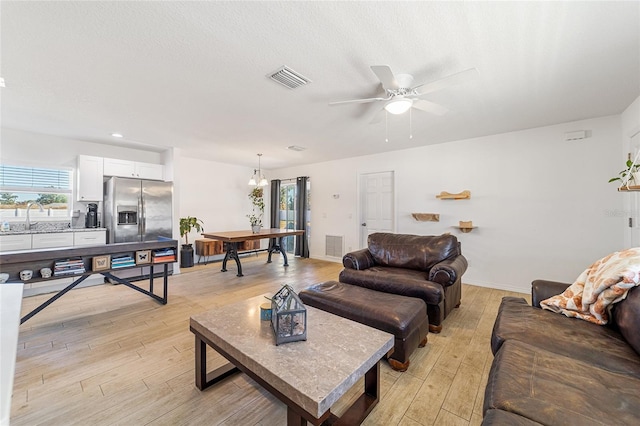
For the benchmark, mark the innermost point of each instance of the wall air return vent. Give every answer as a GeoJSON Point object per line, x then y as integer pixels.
{"type": "Point", "coordinates": [334, 246]}
{"type": "Point", "coordinates": [288, 77]}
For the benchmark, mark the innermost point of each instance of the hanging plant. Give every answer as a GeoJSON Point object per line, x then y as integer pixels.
{"type": "Point", "coordinates": [257, 200]}
{"type": "Point", "coordinates": [628, 175]}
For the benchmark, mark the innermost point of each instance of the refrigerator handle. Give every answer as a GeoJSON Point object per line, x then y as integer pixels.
{"type": "Point", "coordinates": [143, 220]}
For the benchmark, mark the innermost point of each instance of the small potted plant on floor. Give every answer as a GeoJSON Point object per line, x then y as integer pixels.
{"type": "Point", "coordinates": [186, 225]}
{"type": "Point", "coordinates": [257, 200]}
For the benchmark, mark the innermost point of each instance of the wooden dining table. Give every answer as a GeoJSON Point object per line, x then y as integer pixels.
{"type": "Point", "coordinates": [231, 239]}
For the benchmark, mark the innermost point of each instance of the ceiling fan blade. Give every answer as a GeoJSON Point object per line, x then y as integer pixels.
{"type": "Point", "coordinates": [450, 80]}
{"type": "Point", "coordinates": [430, 107]}
{"type": "Point", "coordinates": [359, 101]}
{"type": "Point", "coordinates": [386, 77]}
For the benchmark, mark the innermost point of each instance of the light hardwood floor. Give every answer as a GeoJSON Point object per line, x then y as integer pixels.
{"type": "Point", "coordinates": [109, 355]}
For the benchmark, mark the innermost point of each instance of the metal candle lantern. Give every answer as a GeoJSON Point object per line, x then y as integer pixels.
{"type": "Point", "coordinates": [288, 316]}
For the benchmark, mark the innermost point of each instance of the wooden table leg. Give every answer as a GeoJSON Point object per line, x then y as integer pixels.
{"type": "Point", "coordinates": [204, 379]}
{"type": "Point", "coordinates": [361, 408]}
{"type": "Point", "coordinates": [294, 419]}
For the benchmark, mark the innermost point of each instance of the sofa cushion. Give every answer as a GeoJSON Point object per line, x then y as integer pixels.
{"type": "Point", "coordinates": [505, 418]}
{"type": "Point", "coordinates": [405, 282]}
{"type": "Point", "coordinates": [556, 390]}
{"type": "Point", "coordinates": [601, 346]}
{"type": "Point", "coordinates": [411, 251]}
{"type": "Point", "coordinates": [626, 315]}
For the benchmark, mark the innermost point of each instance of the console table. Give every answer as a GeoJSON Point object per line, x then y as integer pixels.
{"type": "Point", "coordinates": [34, 260]}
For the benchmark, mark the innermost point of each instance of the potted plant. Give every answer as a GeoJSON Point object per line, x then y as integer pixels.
{"type": "Point", "coordinates": [186, 225]}
{"type": "Point", "coordinates": [257, 200]}
{"type": "Point", "coordinates": [630, 176]}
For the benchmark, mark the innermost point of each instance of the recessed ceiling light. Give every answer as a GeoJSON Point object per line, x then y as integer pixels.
{"type": "Point", "coordinates": [296, 148]}
{"type": "Point", "coordinates": [117, 135]}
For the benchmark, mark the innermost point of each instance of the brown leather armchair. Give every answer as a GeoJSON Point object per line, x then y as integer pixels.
{"type": "Point", "coordinates": [427, 267]}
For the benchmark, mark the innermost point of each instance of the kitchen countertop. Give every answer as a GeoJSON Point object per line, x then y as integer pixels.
{"type": "Point", "coordinates": [50, 231]}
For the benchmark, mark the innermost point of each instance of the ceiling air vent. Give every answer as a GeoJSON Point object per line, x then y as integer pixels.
{"type": "Point", "coordinates": [288, 77]}
{"type": "Point", "coordinates": [296, 148]}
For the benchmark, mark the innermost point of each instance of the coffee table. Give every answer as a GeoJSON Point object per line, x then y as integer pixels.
{"type": "Point", "coordinates": [308, 376]}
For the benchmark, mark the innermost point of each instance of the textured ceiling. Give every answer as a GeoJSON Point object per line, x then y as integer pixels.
{"type": "Point", "coordinates": [193, 74]}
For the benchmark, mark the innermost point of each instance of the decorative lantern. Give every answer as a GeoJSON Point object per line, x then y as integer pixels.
{"type": "Point", "coordinates": [288, 316]}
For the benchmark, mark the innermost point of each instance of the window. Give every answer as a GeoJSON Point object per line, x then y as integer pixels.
{"type": "Point", "coordinates": [20, 186]}
{"type": "Point", "coordinates": [288, 209]}
{"type": "Point", "coordinates": [287, 213]}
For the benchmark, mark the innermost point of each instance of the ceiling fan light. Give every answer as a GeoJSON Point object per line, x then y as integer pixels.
{"type": "Point", "coordinates": [398, 105]}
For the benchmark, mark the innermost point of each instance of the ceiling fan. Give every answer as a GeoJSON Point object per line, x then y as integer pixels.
{"type": "Point", "coordinates": [400, 95]}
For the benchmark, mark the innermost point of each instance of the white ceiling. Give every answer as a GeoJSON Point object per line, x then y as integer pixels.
{"type": "Point", "coordinates": [193, 74]}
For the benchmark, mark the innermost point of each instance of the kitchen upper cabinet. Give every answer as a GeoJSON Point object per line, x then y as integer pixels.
{"type": "Point", "coordinates": [15, 242]}
{"type": "Point", "coordinates": [133, 169]}
{"type": "Point", "coordinates": [89, 179]}
{"type": "Point", "coordinates": [150, 171]}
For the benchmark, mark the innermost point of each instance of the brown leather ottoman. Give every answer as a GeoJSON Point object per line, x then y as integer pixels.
{"type": "Point", "coordinates": [404, 317]}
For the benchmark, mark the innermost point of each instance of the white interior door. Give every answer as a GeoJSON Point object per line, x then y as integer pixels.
{"type": "Point", "coordinates": [376, 204]}
{"type": "Point", "coordinates": [633, 221]}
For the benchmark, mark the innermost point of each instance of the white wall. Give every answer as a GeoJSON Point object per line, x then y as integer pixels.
{"type": "Point", "coordinates": [542, 205]}
{"type": "Point", "coordinates": [630, 123]}
{"type": "Point", "coordinates": [216, 193]}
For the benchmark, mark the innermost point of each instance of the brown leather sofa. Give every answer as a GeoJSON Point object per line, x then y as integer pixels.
{"type": "Point", "coordinates": [553, 370]}
{"type": "Point", "coordinates": [426, 267]}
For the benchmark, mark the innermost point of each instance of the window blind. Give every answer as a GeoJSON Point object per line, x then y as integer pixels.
{"type": "Point", "coordinates": [32, 179]}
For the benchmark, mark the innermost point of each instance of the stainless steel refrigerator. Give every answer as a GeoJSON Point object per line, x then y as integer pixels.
{"type": "Point", "coordinates": [137, 210]}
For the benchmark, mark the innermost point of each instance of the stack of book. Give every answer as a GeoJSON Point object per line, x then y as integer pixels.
{"type": "Point", "coordinates": [164, 255]}
{"type": "Point", "coordinates": [71, 266]}
{"type": "Point", "coordinates": [123, 261]}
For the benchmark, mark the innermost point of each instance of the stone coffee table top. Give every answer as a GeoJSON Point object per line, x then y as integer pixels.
{"type": "Point", "coordinates": [314, 373]}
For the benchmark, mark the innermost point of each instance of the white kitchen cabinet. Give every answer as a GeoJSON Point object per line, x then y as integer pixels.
{"type": "Point", "coordinates": [15, 242]}
{"type": "Point", "coordinates": [89, 238]}
{"type": "Point", "coordinates": [150, 171]}
{"type": "Point", "coordinates": [50, 240]}
{"type": "Point", "coordinates": [133, 169]}
{"type": "Point", "coordinates": [89, 178]}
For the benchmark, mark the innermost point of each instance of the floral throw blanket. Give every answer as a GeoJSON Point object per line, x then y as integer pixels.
{"type": "Point", "coordinates": [601, 285]}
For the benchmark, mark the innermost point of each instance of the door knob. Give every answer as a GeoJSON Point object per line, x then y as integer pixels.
{"type": "Point", "coordinates": [364, 224]}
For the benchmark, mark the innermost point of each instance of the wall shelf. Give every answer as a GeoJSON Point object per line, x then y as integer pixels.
{"type": "Point", "coordinates": [465, 229]}
{"type": "Point", "coordinates": [630, 188]}
{"type": "Point", "coordinates": [426, 217]}
{"type": "Point", "coordinates": [465, 226]}
{"type": "Point", "coordinates": [464, 195]}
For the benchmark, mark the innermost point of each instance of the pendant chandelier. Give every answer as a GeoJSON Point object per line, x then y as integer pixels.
{"type": "Point", "coordinates": [258, 178]}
